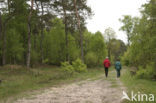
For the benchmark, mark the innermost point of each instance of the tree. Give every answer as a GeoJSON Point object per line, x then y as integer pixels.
{"type": "Point", "coordinates": [109, 34]}
{"type": "Point", "coordinates": [7, 17]}
{"type": "Point", "coordinates": [128, 25]}
{"type": "Point", "coordinates": [0, 36]}
{"type": "Point", "coordinates": [42, 20]}
{"type": "Point", "coordinates": [29, 35]}
{"type": "Point", "coordinates": [54, 43]}
{"type": "Point", "coordinates": [64, 5]}
{"type": "Point", "coordinates": [117, 48]}
{"type": "Point", "coordinates": [80, 32]}
{"type": "Point", "coordinates": [143, 42]}
{"type": "Point", "coordinates": [29, 25]}
{"type": "Point", "coordinates": [95, 48]}
{"type": "Point", "coordinates": [74, 19]}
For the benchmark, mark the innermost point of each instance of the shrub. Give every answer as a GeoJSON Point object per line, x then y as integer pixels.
{"type": "Point", "coordinates": [67, 68]}
{"type": "Point", "coordinates": [46, 61]}
{"type": "Point", "coordinates": [147, 72]}
{"type": "Point", "coordinates": [79, 66]}
{"type": "Point", "coordinates": [91, 59]}
{"type": "Point", "coordinates": [125, 59]}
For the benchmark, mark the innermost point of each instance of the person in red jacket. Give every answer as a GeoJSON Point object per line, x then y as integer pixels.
{"type": "Point", "coordinates": [106, 64]}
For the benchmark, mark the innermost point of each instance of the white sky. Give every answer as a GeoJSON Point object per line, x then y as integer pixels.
{"type": "Point", "coordinates": [108, 12]}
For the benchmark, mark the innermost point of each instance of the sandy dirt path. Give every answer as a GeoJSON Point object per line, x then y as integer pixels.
{"type": "Point", "coordinates": [99, 90]}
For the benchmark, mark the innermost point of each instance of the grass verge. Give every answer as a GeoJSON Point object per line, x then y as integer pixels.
{"type": "Point", "coordinates": [17, 82]}
{"type": "Point", "coordinates": [136, 85]}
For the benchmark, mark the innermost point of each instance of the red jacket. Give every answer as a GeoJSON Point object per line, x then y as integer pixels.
{"type": "Point", "coordinates": [106, 63]}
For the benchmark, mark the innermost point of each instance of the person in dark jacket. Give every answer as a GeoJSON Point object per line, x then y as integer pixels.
{"type": "Point", "coordinates": [106, 64]}
{"type": "Point", "coordinates": [118, 67]}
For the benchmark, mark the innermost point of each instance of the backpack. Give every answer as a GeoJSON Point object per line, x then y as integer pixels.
{"type": "Point", "coordinates": [118, 65]}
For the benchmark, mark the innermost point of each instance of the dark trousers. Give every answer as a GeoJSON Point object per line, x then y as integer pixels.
{"type": "Point", "coordinates": [106, 71]}
{"type": "Point", "coordinates": [118, 73]}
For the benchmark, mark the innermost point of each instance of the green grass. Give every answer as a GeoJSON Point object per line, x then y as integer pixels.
{"type": "Point", "coordinates": [138, 85]}
{"type": "Point", "coordinates": [17, 82]}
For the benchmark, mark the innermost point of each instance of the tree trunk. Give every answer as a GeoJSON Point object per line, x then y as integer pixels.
{"type": "Point", "coordinates": [29, 36]}
{"type": "Point", "coordinates": [29, 44]}
{"type": "Point", "coordinates": [4, 47]}
{"type": "Point", "coordinates": [3, 31]}
{"type": "Point", "coordinates": [66, 30]}
{"type": "Point", "coordinates": [0, 26]}
{"type": "Point", "coordinates": [35, 35]}
{"type": "Point", "coordinates": [80, 32]}
{"type": "Point", "coordinates": [8, 1]}
{"type": "Point", "coordinates": [42, 35]}
{"type": "Point", "coordinates": [37, 8]}
{"type": "Point", "coordinates": [128, 41]}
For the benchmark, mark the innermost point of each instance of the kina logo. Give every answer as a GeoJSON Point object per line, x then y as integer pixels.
{"type": "Point", "coordinates": [138, 97]}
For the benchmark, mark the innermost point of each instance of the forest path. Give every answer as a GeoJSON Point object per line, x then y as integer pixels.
{"type": "Point", "coordinates": [97, 90]}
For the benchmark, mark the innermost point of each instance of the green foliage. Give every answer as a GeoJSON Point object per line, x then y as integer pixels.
{"type": "Point", "coordinates": [117, 49]}
{"type": "Point", "coordinates": [141, 52]}
{"type": "Point", "coordinates": [137, 84]}
{"type": "Point", "coordinates": [147, 72]}
{"type": "Point", "coordinates": [46, 61]}
{"type": "Point", "coordinates": [125, 58]}
{"type": "Point", "coordinates": [95, 48]}
{"type": "Point", "coordinates": [73, 50]}
{"type": "Point", "coordinates": [91, 59]}
{"type": "Point", "coordinates": [67, 68]}
{"type": "Point", "coordinates": [128, 26]}
{"type": "Point", "coordinates": [54, 43]}
{"type": "Point", "coordinates": [47, 31]}
{"type": "Point", "coordinates": [79, 66]}
{"type": "Point", "coordinates": [15, 49]}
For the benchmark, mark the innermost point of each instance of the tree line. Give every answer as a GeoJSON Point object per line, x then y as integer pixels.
{"type": "Point", "coordinates": [36, 32]}
{"type": "Point", "coordinates": [141, 32]}
{"type": "Point", "coordinates": [24, 25]}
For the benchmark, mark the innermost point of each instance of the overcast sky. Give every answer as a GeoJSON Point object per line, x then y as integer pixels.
{"type": "Point", "coordinates": [108, 12]}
